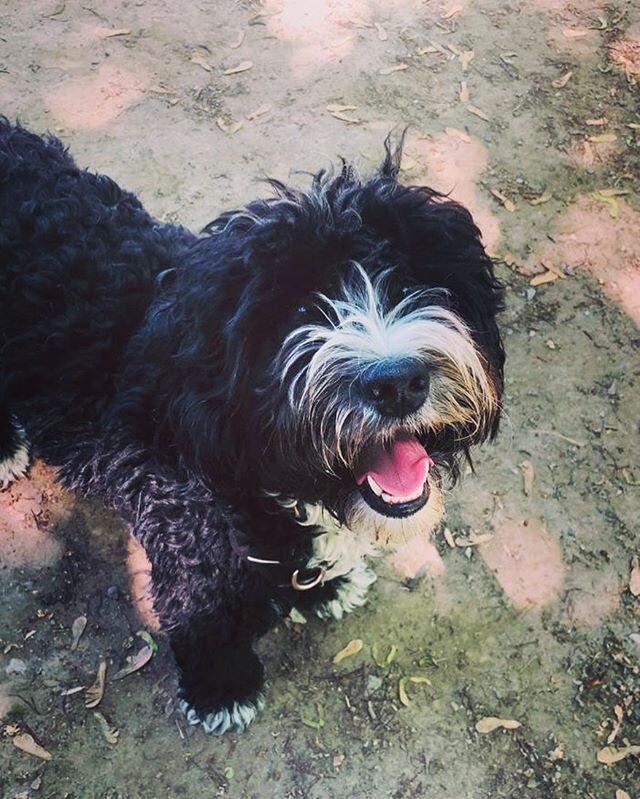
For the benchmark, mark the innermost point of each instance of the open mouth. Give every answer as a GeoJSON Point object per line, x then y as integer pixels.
{"type": "Point", "coordinates": [393, 477]}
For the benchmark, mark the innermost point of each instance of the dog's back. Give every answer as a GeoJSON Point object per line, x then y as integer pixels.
{"type": "Point", "coordinates": [78, 262]}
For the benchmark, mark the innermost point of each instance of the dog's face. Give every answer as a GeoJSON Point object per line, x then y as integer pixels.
{"type": "Point", "coordinates": [378, 384]}
{"type": "Point", "coordinates": [361, 350]}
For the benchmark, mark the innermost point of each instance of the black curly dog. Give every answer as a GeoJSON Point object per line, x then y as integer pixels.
{"type": "Point", "coordinates": [264, 404]}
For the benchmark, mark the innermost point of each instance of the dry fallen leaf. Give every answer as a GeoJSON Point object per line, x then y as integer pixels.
{"type": "Point", "coordinates": [382, 34]}
{"type": "Point", "coordinates": [614, 192]}
{"type": "Point", "coordinates": [95, 692]}
{"type": "Point", "coordinates": [77, 628]}
{"type": "Point", "coordinates": [135, 663]}
{"type": "Point", "coordinates": [560, 83]}
{"type": "Point", "coordinates": [474, 539]}
{"type": "Point", "coordinates": [464, 94]}
{"type": "Point", "coordinates": [545, 277]}
{"type": "Point", "coordinates": [390, 70]}
{"type": "Point", "coordinates": [440, 49]}
{"type": "Point", "coordinates": [528, 475]}
{"type": "Point", "coordinates": [451, 12]}
{"type": "Point", "coordinates": [448, 537]}
{"type": "Point", "coordinates": [26, 743]}
{"type": "Point", "coordinates": [201, 62]}
{"type": "Point", "coordinates": [491, 723]}
{"type": "Point", "coordinates": [557, 753]}
{"type": "Point", "coordinates": [466, 57]}
{"type": "Point", "coordinates": [608, 200]}
{"type": "Point", "coordinates": [345, 117]}
{"type": "Point", "coordinates": [238, 41]}
{"type": "Point", "coordinates": [334, 108]}
{"type": "Point", "coordinates": [243, 66]}
{"type": "Point", "coordinates": [603, 138]}
{"type": "Point", "coordinates": [600, 122]}
{"type": "Point", "coordinates": [71, 691]}
{"type": "Point", "coordinates": [427, 51]}
{"type": "Point", "coordinates": [315, 724]}
{"type": "Point", "coordinates": [634, 579]}
{"type": "Point", "coordinates": [543, 198]}
{"type": "Point", "coordinates": [259, 112]}
{"type": "Point", "coordinates": [351, 649]}
{"type": "Point", "coordinates": [108, 33]}
{"type": "Point", "coordinates": [571, 33]}
{"type": "Point", "coordinates": [458, 134]}
{"type": "Point", "coordinates": [620, 794]}
{"type": "Point", "coordinates": [617, 724]}
{"type": "Point", "coordinates": [229, 127]}
{"type": "Point", "coordinates": [402, 687]}
{"type": "Point", "coordinates": [388, 660]}
{"type": "Point", "coordinates": [472, 109]}
{"type": "Point", "coordinates": [402, 691]}
{"type": "Point", "coordinates": [111, 733]}
{"type": "Point", "coordinates": [508, 204]}
{"type": "Point", "coordinates": [610, 755]}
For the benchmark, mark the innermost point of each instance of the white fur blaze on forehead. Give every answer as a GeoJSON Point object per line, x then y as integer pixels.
{"type": "Point", "coordinates": [360, 330]}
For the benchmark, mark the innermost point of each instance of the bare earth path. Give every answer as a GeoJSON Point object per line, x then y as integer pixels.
{"type": "Point", "coordinates": [529, 113]}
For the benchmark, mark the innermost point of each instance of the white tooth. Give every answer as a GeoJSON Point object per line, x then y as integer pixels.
{"type": "Point", "coordinates": [388, 498]}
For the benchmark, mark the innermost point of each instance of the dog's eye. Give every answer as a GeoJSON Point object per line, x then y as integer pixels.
{"type": "Point", "coordinates": [406, 291]}
{"type": "Point", "coordinates": [302, 309]}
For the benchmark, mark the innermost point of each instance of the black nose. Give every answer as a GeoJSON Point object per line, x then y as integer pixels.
{"type": "Point", "coordinates": [395, 387]}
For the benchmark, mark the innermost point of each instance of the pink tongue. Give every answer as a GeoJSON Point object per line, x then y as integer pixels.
{"type": "Point", "coordinates": [399, 468]}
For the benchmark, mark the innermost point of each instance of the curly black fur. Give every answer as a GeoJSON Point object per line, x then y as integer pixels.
{"type": "Point", "coordinates": [138, 357]}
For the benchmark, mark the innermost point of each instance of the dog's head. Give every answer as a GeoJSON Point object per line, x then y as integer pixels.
{"type": "Point", "coordinates": [356, 350]}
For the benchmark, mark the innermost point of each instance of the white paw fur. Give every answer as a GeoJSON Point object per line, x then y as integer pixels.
{"type": "Point", "coordinates": [16, 465]}
{"type": "Point", "coordinates": [351, 593]}
{"type": "Point", "coordinates": [236, 719]}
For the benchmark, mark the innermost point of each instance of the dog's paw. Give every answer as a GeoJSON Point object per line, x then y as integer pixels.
{"type": "Point", "coordinates": [217, 722]}
{"type": "Point", "coordinates": [350, 593]}
{"type": "Point", "coordinates": [16, 464]}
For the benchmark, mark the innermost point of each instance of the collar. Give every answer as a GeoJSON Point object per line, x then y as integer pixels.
{"type": "Point", "coordinates": [285, 571]}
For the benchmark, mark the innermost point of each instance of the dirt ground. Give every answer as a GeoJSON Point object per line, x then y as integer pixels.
{"type": "Point", "coordinates": [524, 608]}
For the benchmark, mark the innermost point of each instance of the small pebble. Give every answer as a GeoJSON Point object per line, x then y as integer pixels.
{"type": "Point", "coordinates": [16, 666]}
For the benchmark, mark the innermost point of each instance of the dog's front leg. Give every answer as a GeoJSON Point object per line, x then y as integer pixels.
{"type": "Point", "coordinates": [220, 675]}
{"type": "Point", "coordinates": [209, 602]}
{"type": "Point", "coordinates": [213, 609]}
